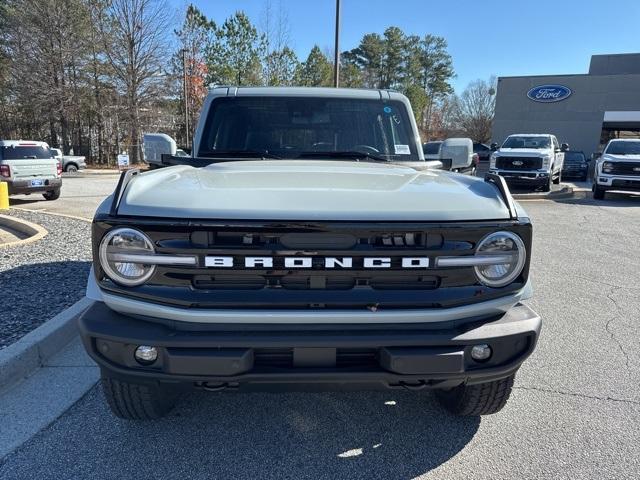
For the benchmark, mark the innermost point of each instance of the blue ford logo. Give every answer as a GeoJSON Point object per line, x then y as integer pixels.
{"type": "Point", "coordinates": [549, 93]}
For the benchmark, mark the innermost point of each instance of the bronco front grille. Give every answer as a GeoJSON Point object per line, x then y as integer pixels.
{"type": "Point", "coordinates": [387, 281]}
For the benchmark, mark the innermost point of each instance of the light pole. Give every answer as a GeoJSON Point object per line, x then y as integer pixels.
{"type": "Point", "coordinates": [336, 55]}
{"type": "Point", "coordinates": [186, 95]}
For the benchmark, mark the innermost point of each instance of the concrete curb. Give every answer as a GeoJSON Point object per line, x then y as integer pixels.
{"type": "Point", "coordinates": [34, 232]}
{"type": "Point", "coordinates": [566, 192]}
{"type": "Point", "coordinates": [20, 359]}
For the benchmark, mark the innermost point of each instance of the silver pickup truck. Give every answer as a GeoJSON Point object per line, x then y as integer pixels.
{"type": "Point", "coordinates": [70, 163]}
{"type": "Point", "coordinates": [28, 167]}
{"type": "Point", "coordinates": [299, 248]}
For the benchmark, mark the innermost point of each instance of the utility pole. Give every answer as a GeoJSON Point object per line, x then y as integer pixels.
{"type": "Point", "coordinates": [186, 96]}
{"type": "Point", "coordinates": [336, 55]}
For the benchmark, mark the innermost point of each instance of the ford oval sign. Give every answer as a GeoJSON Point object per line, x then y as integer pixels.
{"type": "Point", "coordinates": [549, 93]}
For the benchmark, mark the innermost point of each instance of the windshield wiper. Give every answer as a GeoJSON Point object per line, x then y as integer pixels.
{"type": "Point", "coordinates": [348, 154]}
{"type": "Point", "coordinates": [264, 154]}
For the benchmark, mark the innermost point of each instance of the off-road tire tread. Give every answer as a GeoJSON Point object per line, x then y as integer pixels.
{"type": "Point", "coordinates": [132, 401]}
{"type": "Point", "coordinates": [481, 399]}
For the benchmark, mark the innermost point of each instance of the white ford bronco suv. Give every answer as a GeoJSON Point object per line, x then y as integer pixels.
{"type": "Point", "coordinates": [29, 167]}
{"type": "Point", "coordinates": [529, 160]}
{"type": "Point", "coordinates": [299, 248]}
{"type": "Point", "coordinates": [618, 168]}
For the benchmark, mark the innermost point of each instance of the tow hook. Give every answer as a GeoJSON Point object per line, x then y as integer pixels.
{"type": "Point", "coordinates": [419, 385]}
{"type": "Point", "coordinates": [213, 387]}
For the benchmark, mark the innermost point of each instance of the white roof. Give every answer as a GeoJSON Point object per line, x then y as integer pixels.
{"type": "Point", "coordinates": [530, 135]}
{"type": "Point", "coordinates": [25, 143]}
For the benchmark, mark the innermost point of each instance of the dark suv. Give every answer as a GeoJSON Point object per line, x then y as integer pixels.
{"type": "Point", "coordinates": [575, 165]}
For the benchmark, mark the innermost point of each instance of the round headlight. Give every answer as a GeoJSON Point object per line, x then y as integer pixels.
{"type": "Point", "coordinates": [116, 251]}
{"type": "Point", "coordinates": [501, 258]}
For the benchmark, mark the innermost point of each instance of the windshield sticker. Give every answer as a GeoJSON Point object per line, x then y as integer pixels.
{"type": "Point", "coordinates": [387, 109]}
{"type": "Point", "coordinates": [403, 150]}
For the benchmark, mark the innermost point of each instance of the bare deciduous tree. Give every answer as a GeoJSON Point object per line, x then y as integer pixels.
{"type": "Point", "coordinates": [473, 110]}
{"type": "Point", "coordinates": [135, 39]}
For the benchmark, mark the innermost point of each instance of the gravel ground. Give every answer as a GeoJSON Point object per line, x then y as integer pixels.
{"type": "Point", "coordinates": [38, 280]}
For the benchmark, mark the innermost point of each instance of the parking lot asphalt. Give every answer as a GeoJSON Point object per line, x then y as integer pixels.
{"type": "Point", "coordinates": [80, 195]}
{"type": "Point", "coordinates": [574, 412]}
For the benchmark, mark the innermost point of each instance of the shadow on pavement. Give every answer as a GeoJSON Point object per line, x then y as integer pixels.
{"type": "Point", "coordinates": [611, 199]}
{"type": "Point", "coordinates": [393, 434]}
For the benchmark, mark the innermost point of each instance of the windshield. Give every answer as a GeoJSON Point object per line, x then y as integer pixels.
{"type": "Point", "coordinates": [20, 152]}
{"type": "Point", "coordinates": [431, 148]}
{"type": "Point", "coordinates": [624, 148]}
{"type": "Point", "coordinates": [526, 142]}
{"type": "Point", "coordinates": [299, 127]}
{"type": "Point", "coordinates": [574, 157]}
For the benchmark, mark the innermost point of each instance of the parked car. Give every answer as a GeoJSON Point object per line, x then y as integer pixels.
{"type": "Point", "coordinates": [576, 165]}
{"type": "Point", "coordinates": [70, 163]}
{"type": "Point", "coordinates": [532, 160]}
{"type": "Point", "coordinates": [28, 167]}
{"type": "Point", "coordinates": [431, 150]}
{"type": "Point", "coordinates": [483, 151]}
{"type": "Point", "coordinates": [618, 168]}
{"type": "Point", "coordinates": [295, 248]}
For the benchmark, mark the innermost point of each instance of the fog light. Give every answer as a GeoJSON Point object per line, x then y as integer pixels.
{"type": "Point", "coordinates": [481, 352]}
{"type": "Point", "coordinates": [146, 355]}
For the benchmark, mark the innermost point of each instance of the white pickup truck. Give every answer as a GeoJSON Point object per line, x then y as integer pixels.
{"type": "Point", "coordinates": [618, 168]}
{"type": "Point", "coordinates": [533, 160]}
{"type": "Point", "coordinates": [29, 167]}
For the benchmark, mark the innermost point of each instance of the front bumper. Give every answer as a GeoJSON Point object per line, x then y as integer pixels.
{"type": "Point", "coordinates": [523, 178]}
{"type": "Point", "coordinates": [239, 355]}
{"type": "Point", "coordinates": [20, 186]}
{"type": "Point", "coordinates": [575, 172]}
{"type": "Point", "coordinates": [617, 182]}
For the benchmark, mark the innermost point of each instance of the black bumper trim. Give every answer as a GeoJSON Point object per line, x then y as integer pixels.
{"type": "Point", "coordinates": [426, 356]}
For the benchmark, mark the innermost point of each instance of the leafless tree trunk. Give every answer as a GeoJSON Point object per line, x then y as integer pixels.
{"type": "Point", "coordinates": [135, 39]}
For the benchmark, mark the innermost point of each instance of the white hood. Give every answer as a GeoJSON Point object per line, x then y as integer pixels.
{"type": "Point", "coordinates": [311, 190]}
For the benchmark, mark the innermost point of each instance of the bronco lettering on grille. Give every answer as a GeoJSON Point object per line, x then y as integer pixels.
{"type": "Point", "coordinates": [317, 262]}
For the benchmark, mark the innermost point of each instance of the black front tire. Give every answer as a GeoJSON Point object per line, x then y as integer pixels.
{"type": "Point", "coordinates": [52, 195]}
{"type": "Point", "coordinates": [133, 401]}
{"type": "Point", "coordinates": [480, 399]}
{"type": "Point", "coordinates": [598, 193]}
{"type": "Point", "coordinates": [547, 186]}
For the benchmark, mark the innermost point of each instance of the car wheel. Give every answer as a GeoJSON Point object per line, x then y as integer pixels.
{"type": "Point", "coordinates": [52, 195]}
{"type": "Point", "coordinates": [547, 186]}
{"type": "Point", "coordinates": [480, 399]}
{"type": "Point", "coordinates": [598, 193]}
{"type": "Point", "coordinates": [71, 168]}
{"type": "Point", "coordinates": [134, 401]}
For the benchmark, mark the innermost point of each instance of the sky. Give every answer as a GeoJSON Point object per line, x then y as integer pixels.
{"type": "Point", "coordinates": [485, 37]}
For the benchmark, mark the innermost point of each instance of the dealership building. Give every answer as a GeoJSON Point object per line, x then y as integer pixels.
{"type": "Point", "coordinates": [584, 110]}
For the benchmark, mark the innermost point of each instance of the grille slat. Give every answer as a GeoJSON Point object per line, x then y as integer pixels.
{"type": "Point", "coordinates": [518, 163]}
{"type": "Point", "coordinates": [625, 168]}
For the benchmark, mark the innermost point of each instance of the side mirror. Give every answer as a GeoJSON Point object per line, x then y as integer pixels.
{"type": "Point", "coordinates": [494, 147]}
{"type": "Point", "coordinates": [564, 147]}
